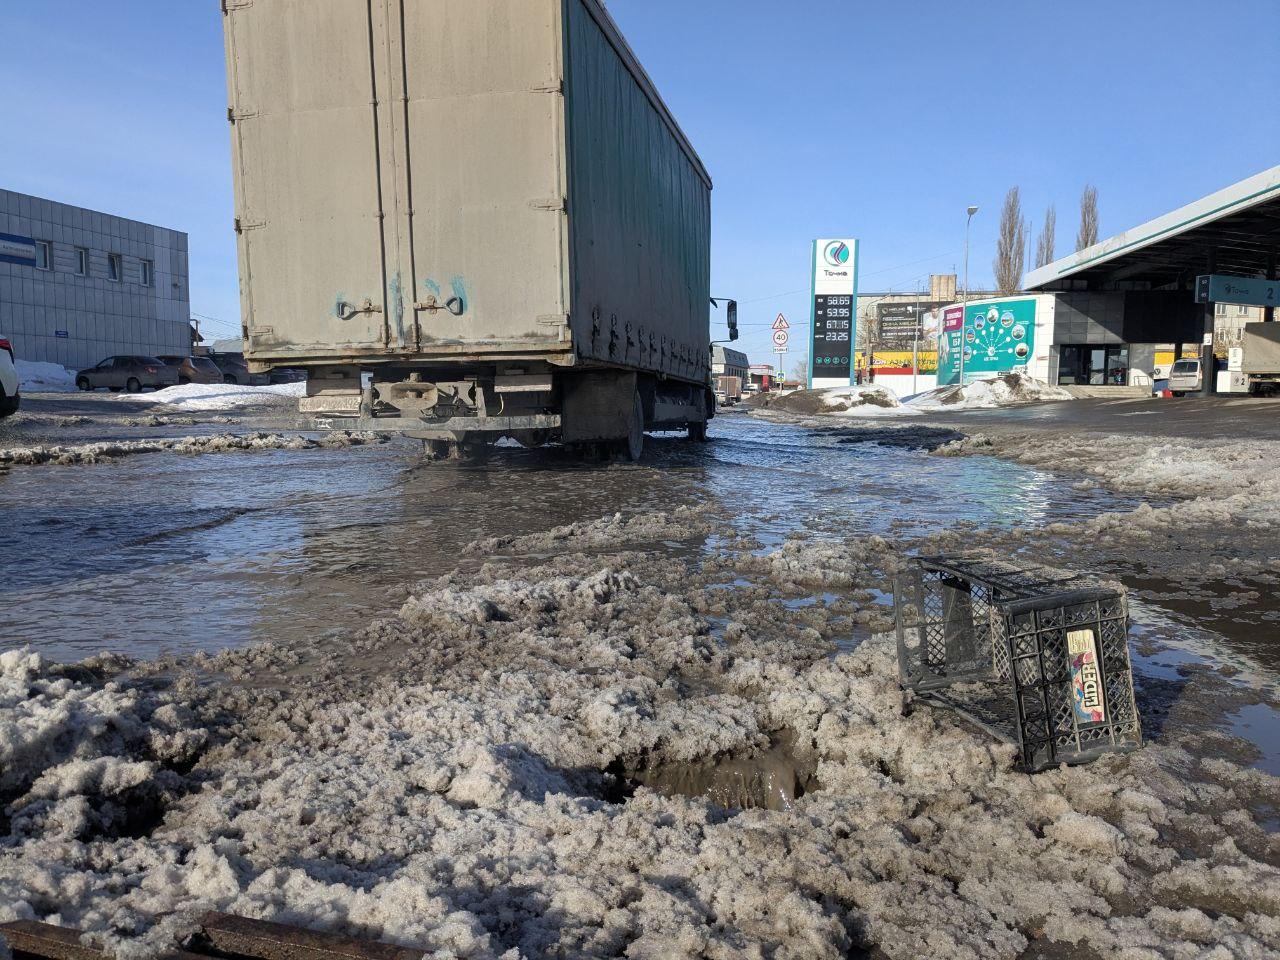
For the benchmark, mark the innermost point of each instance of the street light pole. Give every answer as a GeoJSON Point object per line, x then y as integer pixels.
{"type": "Point", "coordinates": [915, 344]}
{"type": "Point", "coordinates": [965, 319]}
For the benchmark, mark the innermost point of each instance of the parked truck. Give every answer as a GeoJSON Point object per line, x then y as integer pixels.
{"type": "Point", "coordinates": [468, 219]}
{"type": "Point", "coordinates": [728, 390]}
{"type": "Point", "coordinates": [1260, 358]}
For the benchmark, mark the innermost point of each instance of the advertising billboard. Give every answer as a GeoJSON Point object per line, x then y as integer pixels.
{"type": "Point", "coordinates": [986, 339]}
{"type": "Point", "coordinates": [900, 326]}
{"type": "Point", "coordinates": [835, 308]}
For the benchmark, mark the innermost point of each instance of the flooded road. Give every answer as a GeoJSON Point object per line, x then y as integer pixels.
{"type": "Point", "coordinates": [161, 554]}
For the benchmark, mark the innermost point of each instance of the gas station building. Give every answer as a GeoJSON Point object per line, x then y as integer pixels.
{"type": "Point", "coordinates": [1175, 285]}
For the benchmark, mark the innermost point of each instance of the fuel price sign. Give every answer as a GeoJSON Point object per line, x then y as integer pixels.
{"type": "Point", "coordinates": [835, 312]}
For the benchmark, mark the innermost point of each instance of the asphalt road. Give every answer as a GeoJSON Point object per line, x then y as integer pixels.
{"type": "Point", "coordinates": [1227, 417]}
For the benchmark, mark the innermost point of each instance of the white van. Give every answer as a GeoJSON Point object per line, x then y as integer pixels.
{"type": "Point", "coordinates": [1185, 376]}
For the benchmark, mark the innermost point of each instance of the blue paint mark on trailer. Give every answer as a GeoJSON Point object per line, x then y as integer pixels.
{"type": "Point", "coordinates": [459, 286]}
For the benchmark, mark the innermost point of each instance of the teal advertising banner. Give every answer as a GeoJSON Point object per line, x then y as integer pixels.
{"type": "Point", "coordinates": [993, 338]}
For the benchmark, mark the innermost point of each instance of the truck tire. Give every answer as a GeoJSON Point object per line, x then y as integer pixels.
{"type": "Point", "coordinates": [698, 432]}
{"type": "Point", "coordinates": [633, 446]}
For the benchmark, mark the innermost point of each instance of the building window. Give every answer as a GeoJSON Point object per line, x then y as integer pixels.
{"type": "Point", "coordinates": [44, 255]}
{"type": "Point", "coordinates": [115, 267]}
{"type": "Point", "coordinates": [146, 272]}
{"type": "Point", "coordinates": [82, 261]}
{"type": "Point", "coordinates": [1093, 366]}
{"type": "Point", "coordinates": [1221, 309]}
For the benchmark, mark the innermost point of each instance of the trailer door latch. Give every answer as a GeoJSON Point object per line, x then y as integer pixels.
{"type": "Point", "coordinates": [454, 305]}
{"type": "Point", "coordinates": [346, 311]}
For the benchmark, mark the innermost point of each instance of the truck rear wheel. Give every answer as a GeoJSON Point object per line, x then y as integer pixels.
{"type": "Point", "coordinates": [698, 431]}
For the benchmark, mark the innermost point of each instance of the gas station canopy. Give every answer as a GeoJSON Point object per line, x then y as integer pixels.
{"type": "Point", "coordinates": [1235, 231]}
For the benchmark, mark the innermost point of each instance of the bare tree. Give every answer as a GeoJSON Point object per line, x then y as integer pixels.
{"type": "Point", "coordinates": [869, 330]}
{"type": "Point", "coordinates": [1011, 249]}
{"type": "Point", "coordinates": [1088, 234]}
{"type": "Point", "coordinates": [800, 372]}
{"type": "Point", "coordinates": [1048, 238]}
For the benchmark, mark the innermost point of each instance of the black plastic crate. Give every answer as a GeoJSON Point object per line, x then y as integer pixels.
{"type": "Point", "coordinates": [1035, 656]}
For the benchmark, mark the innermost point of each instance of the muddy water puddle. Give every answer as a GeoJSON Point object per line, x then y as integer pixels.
{"type": "Point", "coordinates": [163, 553]}
{"type": "Point", "coordinates": [771, 777]}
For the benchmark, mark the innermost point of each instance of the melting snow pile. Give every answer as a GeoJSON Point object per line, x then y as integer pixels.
{"type": "Point", "coordinates": [45, 377]}
{"type": "Point", "coordinates": [1224, 526]}
{"type": "Point", "coordinates": [66, 455]}
{"type": "Point", "coordinates": [1002, 391]}
{"type": "Point", "coordinates": [854, 401]}
{"type": "Point", "coordinates": [680, 524]}
{"type": "Point", "coordinates": [199, 396]}
{"type": "Point", "coordinates": [453, 778]}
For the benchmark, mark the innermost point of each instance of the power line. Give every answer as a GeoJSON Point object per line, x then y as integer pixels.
{"type": "Point", "coordinates": [873, 273]}
{"type": "Point", "coordinates": [891, 293]}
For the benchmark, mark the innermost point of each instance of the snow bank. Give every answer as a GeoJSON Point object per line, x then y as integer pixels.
{"type": "Point", "coordinates": [1002, 391]}
{"type": "Point", "coordinates": [1215, 515]}
{"type": "Point", "coordinates": [448, 778]}
{"type": "Point", "coordinates": [45, 377]}
{"type": "Point", "coordinates": [199, 396]}
{"type": "Point", "coordinates": [851, 401]}
{"type": "Point", "coordinates": [66, 455]}
{"type": "Point", "coordinates": [680, 524]}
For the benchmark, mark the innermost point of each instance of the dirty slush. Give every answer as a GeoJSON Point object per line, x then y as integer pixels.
{"type": "Point", "coordinates": [583, 745]}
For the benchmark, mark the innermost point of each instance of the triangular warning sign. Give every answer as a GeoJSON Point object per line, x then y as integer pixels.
{"type": "Point", "coordinates": [781, 323]}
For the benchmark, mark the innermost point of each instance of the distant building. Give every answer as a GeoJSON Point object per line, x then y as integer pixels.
{"type": "Point", "coordinates": [77, 286]}
{"type": "Point", "coordinates": [763, 377]}
{"type": "Point", "coordinates": [729, 363]}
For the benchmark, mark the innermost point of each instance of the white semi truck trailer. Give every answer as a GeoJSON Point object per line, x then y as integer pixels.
{"type": "Point", "coordinates": [468, 219]}
{"type": "Point", "coordinates": [1261, 358]}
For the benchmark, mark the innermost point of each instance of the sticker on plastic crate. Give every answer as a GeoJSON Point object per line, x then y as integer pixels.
{"type": "Point", "coordinates": [1086, 677]}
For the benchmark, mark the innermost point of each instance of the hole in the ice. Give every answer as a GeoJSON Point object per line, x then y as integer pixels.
{"type": "Point", "coordinates": [140, 817]}
{"type": "Point", "coordinates": [771, 778]}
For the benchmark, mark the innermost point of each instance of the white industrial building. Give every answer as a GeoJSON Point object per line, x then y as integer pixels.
{"type": "Point", "coordinates": [77, 285]}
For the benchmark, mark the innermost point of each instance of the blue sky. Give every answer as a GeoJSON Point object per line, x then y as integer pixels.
{"type": "Point", "coordinates": [869, 119]}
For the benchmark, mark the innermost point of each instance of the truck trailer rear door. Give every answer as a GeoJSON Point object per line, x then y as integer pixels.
{"type": "Point", "coordinates": [304, 86]}
{"type": "Point", "coordinates": [479, 149]}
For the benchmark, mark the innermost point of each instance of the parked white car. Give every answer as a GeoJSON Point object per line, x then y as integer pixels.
{"type": "Point", "coordinates": [1185, 377]}
{"type": "Point", "coordinates": [10, 393]}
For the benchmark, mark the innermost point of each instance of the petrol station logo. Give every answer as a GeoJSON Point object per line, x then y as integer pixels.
{"type": "Point", "coordinates": [837, 254]}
